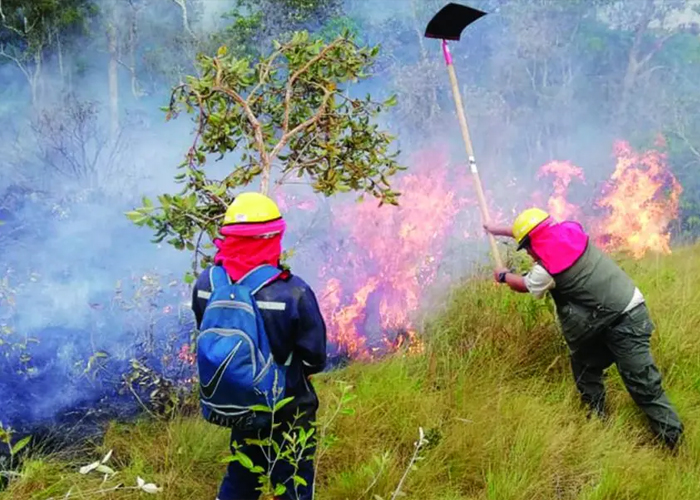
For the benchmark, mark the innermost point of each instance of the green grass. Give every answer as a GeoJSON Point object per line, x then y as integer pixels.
{"type": "Point", "coordinates": [492, 391]}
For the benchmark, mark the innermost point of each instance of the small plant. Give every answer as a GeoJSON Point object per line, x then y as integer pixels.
{"type": "Point", "coordinates": [295, 446]}
{"type": "Point", "coordinates": [14, 346]}
{"type": "Point", "coordinates": [6, 465]}
{"type": "Point", "coordinates": [340, 407]}
{"type": "Point", "coordinates": [417, 446]}
{"type": "Point", "coordinates": [165, 397]}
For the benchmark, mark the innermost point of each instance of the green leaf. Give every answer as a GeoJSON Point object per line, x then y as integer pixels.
{"type": "Point", "coordinates": [283, 403]}
{"type": "Point", "coordinates": [20, 445]}
{"type": "Point", "coordinates": [244, 460]}
{"type": "Point", "coordinates": [257, 442]}
{"type": "Point", "coordinates": [347, 398]}
{"type": "Point", "coordinates": [260, 408]}
{"type": "Point", "coordinates": [298, 480]}
{"type": "Point", "coordinates": [280, 490]}
{"type": "Point", "coordinates": [344, 151]}
{"type": "Point", "coordinates": [136, 217]}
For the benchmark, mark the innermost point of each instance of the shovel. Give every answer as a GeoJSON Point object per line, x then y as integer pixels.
{"type": "Point", "coordinates": [448, 24]}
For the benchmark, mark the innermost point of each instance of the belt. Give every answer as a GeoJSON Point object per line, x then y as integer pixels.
{"type": "Point", "coordinates": [625, 315]}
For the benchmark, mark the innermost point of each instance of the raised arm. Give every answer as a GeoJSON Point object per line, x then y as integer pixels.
{"type": "Point", "coordinates": [498, 230]}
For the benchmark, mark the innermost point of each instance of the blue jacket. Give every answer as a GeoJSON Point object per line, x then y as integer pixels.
{"type": "Point", "coordinates": [294, 324]}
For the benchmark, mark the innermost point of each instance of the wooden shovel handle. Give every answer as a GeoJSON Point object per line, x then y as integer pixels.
{"type": "Point", "coordinates": [472, 161]}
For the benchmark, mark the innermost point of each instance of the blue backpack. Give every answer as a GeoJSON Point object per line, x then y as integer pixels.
{"type": "Point", "coordinates": [234, 361]}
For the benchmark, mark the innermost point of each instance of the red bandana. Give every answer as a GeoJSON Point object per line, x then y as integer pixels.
{"type": "Point", "coordinates": [240, 254]}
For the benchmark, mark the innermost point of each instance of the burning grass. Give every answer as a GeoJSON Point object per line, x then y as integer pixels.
{"type": "Point", "coordinates": [492, 390]}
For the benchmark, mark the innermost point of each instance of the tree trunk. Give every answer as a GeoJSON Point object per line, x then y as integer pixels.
{"type": "Point", "coordinates": [185, 17]}
{"type": "Point", "coordinates": [133, 36]}
{"type": "Point", "coordinates": [61, 67]}
{"type": "Point", "coordinates": [112, 71]}
{"type": "Point", "coordinates": [633, 61]}
{"type": "Point", "coordinates": [37, 93]}
{"type": "Point", "coordinates": [433, 107]}
{"type": "Point", "coordinates": [265, 180]}
{"type": "Point", "coordinates": [69, 73]}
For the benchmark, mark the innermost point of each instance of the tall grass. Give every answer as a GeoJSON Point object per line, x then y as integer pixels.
{"type": "Point", "coordinates": [494, 394]}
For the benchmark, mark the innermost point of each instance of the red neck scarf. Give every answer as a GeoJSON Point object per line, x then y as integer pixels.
{"type": "Point", "coordinates": [239, 254]}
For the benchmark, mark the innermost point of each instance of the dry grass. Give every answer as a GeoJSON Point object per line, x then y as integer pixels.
{"type": "Point", "coordinates": [493, 393]}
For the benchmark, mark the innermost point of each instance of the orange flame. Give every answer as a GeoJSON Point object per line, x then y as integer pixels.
{"type": "Point", "coordinates": [642, 199]}
{"type": "Point", "coordinates": [393, 252]}
{"type": "Point", "coordinates": [374, 280]}
{"type": "Point", "coordinates": [564, 172]}
{"type": "Point", "coordinates": [344, 319]}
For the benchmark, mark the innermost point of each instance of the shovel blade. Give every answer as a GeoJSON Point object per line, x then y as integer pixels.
{"type": "Point", "coordinates": [449, 23]}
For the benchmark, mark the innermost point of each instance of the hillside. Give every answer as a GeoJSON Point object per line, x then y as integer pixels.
{"type": "Point", "coordinates": [492, 391]}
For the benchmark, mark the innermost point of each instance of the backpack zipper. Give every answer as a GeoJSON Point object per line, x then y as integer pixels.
{"type": "Point", "coordinates": [232, 304]}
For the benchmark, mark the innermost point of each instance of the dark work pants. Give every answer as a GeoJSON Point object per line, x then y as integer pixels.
{"type": "Point", "coordinates": [627, 344]}
{"type": "Point", "coordinates": [240, 484]}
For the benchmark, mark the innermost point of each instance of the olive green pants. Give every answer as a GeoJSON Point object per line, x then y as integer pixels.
{"type": "Point", "coordinates": [627, 344]}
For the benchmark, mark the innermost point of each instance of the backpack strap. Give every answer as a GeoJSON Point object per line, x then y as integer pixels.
{"type": "Point", "coordinates": [259, 277]}
{"type": "Point", "coordinates": [218, 277]}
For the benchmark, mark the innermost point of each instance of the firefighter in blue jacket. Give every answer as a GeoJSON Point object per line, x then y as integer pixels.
{"type": "Point", "coordinates": [252, 234]}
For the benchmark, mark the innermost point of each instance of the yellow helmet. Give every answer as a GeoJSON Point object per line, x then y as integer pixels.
{"type": "Point", "coordinates": [253, 214]}
{"type": "Point", "coordinates": [527, 221]}
{"type": "Point", "coordinates": [251, 207]}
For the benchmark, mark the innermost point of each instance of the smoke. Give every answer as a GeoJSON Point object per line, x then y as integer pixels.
{"type": "Point", "coordinates": [83, 291]}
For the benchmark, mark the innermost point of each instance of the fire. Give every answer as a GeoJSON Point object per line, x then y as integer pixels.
{"type": "Point", "coordinates": [564, 172]}
{"type": "Point", "coordinates": [388, 258]}
{"type": "Point", "coordinates": [642, 198]}
{"type": "Point", "coordinates": [344, 319]}
{"type": "Point", "coordinates": [373, 278]}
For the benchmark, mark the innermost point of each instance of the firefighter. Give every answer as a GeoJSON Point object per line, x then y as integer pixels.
{"type": "Point", "coordinates": [252, 236]}
{"type": "Point", "coordinates": [603, 315]}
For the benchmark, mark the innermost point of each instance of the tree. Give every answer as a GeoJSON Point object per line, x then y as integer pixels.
{"type": "Point", "coordinates": [29, 30]}
{"type": "Point", "coordinates": [254, 23]}
{"type": "Point", "coordinates": [648, 23]}
{"type": "Point", "coordinates": [290, 111]}
{"type": "Point", "coordinates": [74, 147]}
{"type": "Point", "coordinates": [418, 75]}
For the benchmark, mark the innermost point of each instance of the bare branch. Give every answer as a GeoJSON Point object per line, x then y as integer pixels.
{"type": "Point", "coordinates": [657, 46]}
{"type": "Point", "coordinates": [185, 18]}
{"type": "Point", "coordinates": [134, 81]}
{"type": "Point", "coordinates": [679, 130]}
{"type": "Point", "coordinates": [8, 26]}
{"type": "Point", "coordinates": [16, 61]}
